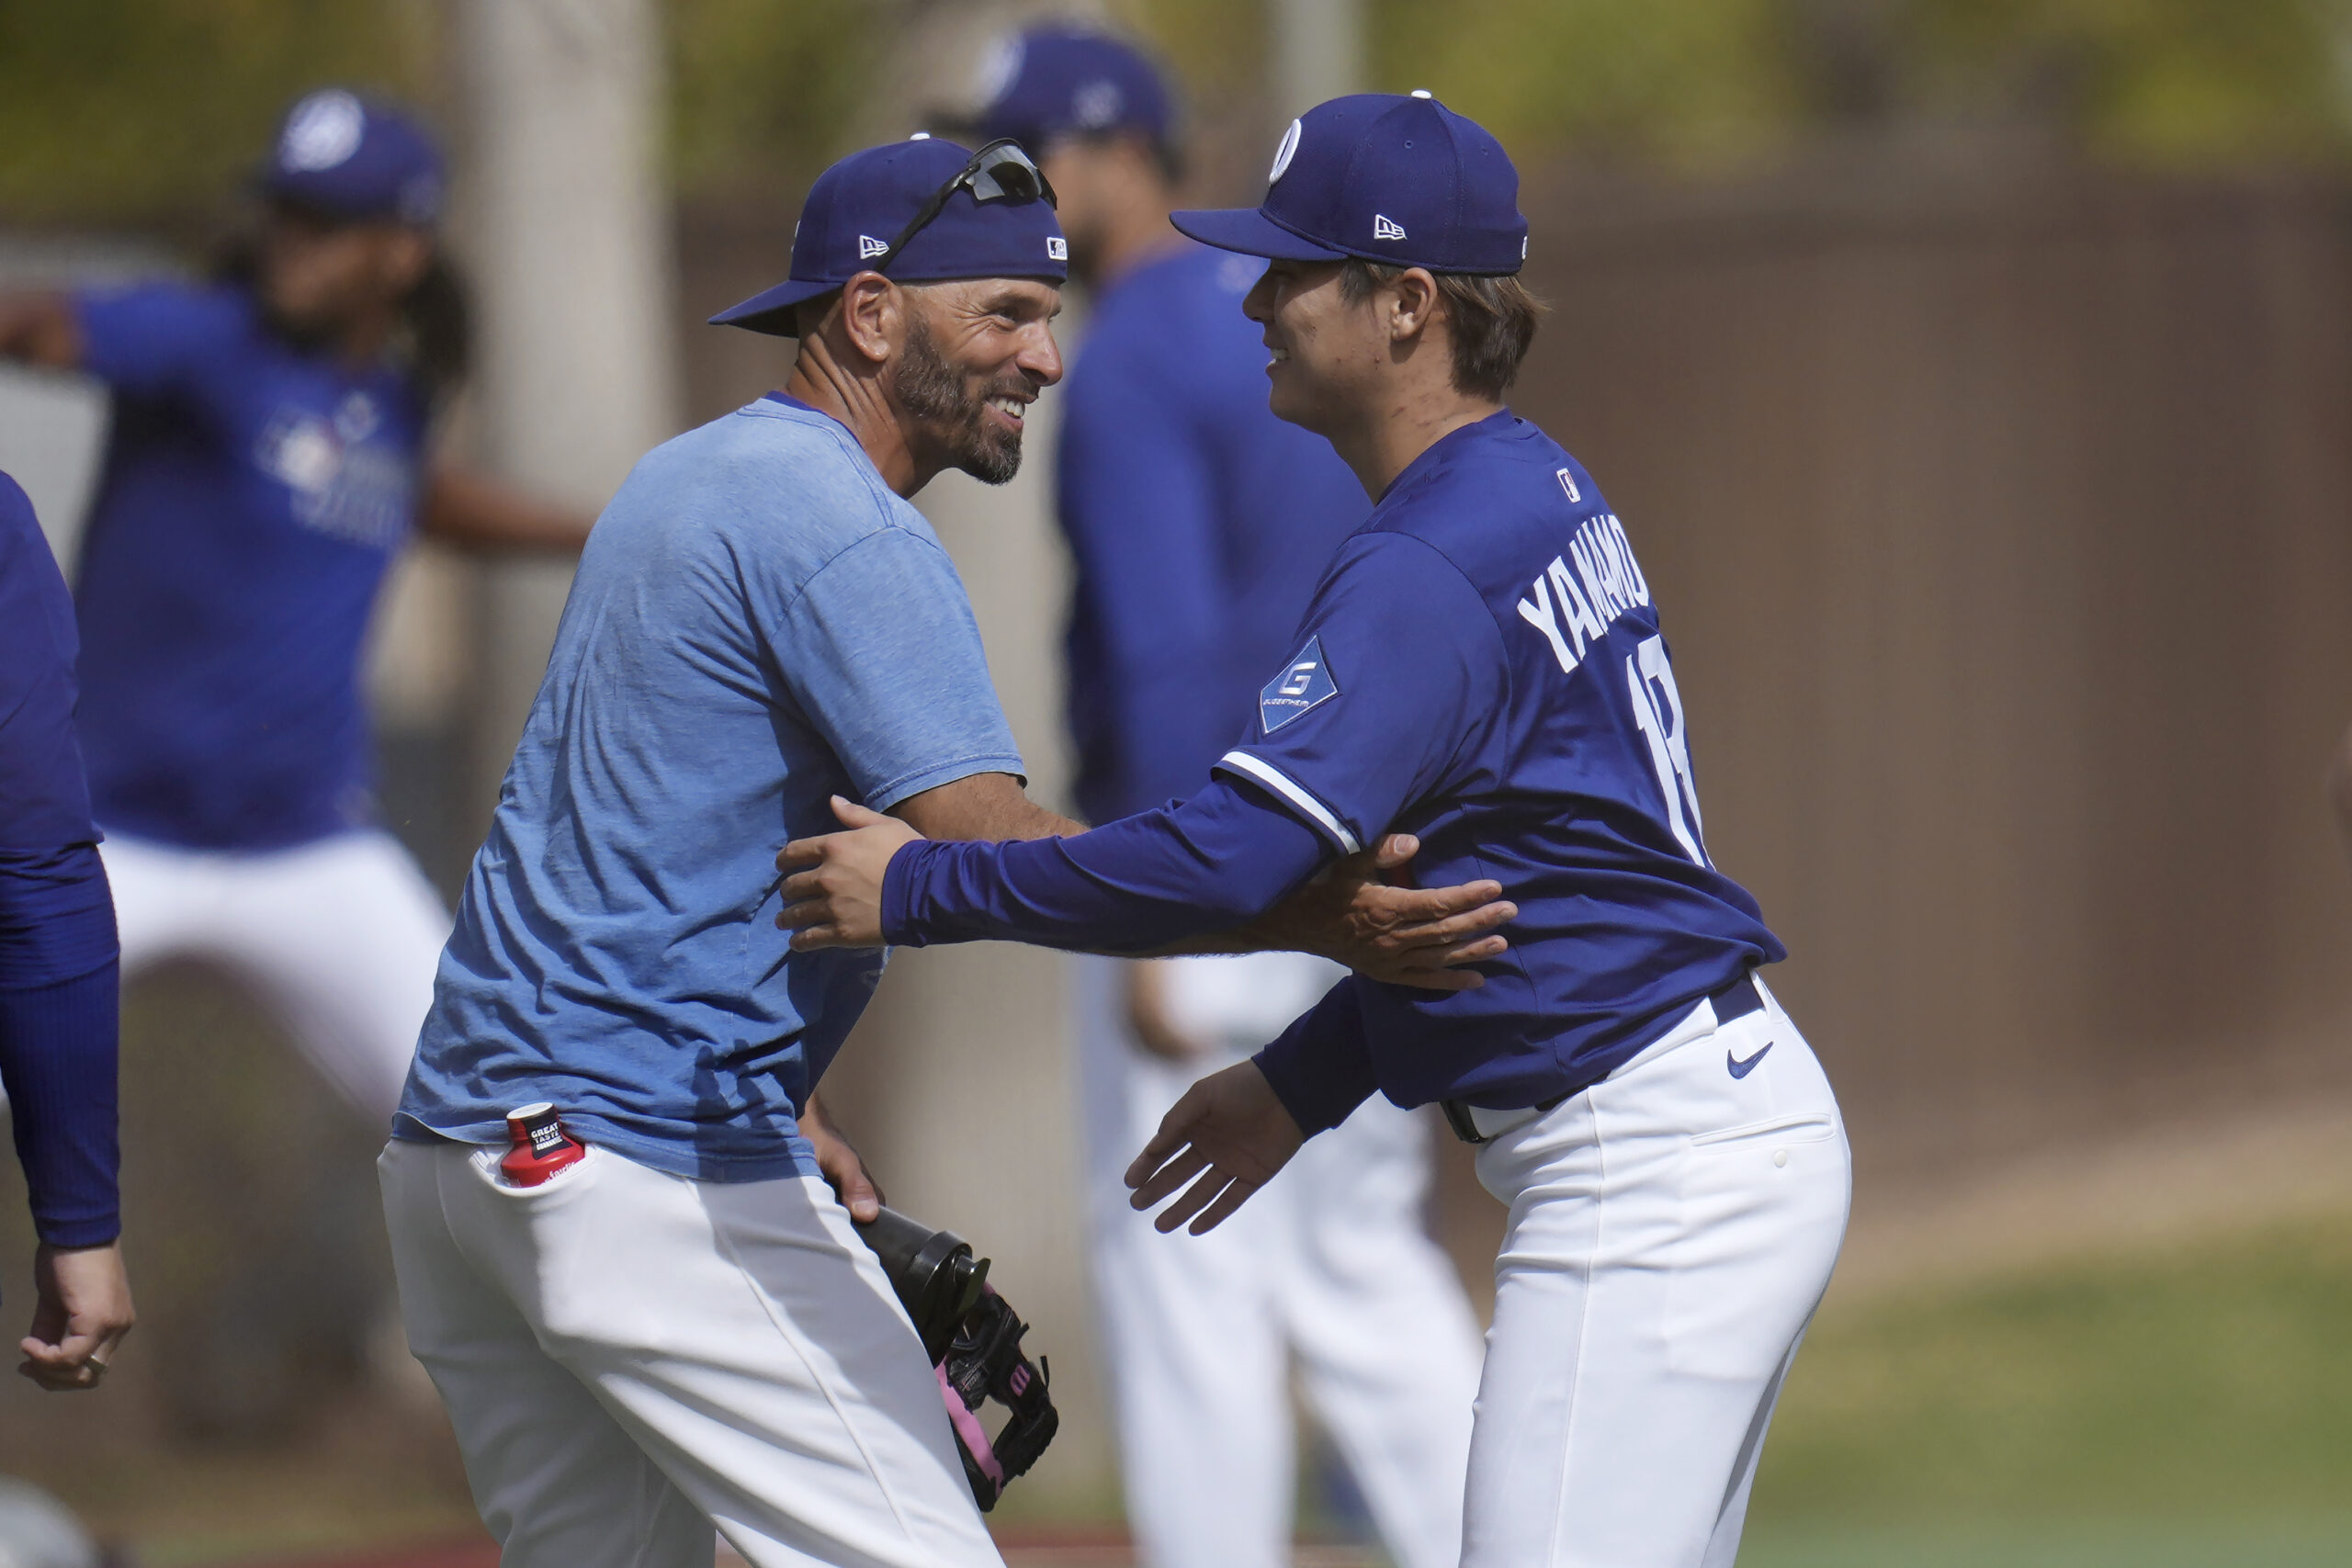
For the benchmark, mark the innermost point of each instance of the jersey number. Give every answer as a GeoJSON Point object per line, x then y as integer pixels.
{"type": "Point", "coordinates": [1658, 714]}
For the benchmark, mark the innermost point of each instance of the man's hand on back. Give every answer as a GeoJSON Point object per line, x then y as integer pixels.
{"type": "Point", "coordinates": [835, 900]}
{"type": "Point", "coordinates": [1352, 914]}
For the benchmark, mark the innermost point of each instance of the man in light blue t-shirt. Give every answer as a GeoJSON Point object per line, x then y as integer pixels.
{"type": "Point", "coordinates": [682, 1328]}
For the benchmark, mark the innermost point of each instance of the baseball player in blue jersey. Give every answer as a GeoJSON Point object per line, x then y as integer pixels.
{"type": "Point", "coordinates": [1198, 523]}
{"type": "Point", "coordinates": [58, 988]}
{"type": "Point", "coordinates": [1481, 665]}
{"type": "Point", "coordinates": [265, 463]}
{"type": "Point", "coordinates": [681, 1329]}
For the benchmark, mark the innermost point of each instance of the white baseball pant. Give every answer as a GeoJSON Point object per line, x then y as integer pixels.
{"type": "Point", "coordinates": [630, 1358]}
{"type": "Point", "coordinates": [1671, 1230]}
{"type": "Point", "coordinates": [1329, 1271]}
{"type": "Point", "coordinates": [339, 938]}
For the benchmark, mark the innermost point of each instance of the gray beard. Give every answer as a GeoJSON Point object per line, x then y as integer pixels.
{"type": "Point", "coordinates": [933, 392]}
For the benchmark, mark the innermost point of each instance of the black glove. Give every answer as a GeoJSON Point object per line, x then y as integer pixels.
{"type": "Point", "coordinates": [973, 1337]}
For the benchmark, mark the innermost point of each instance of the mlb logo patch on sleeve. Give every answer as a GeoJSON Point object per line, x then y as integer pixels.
{"type": "Point", "coordinates": [1305, 682]}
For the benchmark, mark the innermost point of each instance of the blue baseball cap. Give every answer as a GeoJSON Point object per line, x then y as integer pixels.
{"type": "Point", "coordinates": [1050, 82]}
{"type": "Point", "coordinates": [856, 208]}
{"type": "Point", "coordinates": [1389, 177]}
{"type": "Point", "coordinates": [347, 157]}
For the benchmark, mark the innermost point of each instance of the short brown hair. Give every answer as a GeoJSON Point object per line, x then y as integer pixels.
{"type": "Point", "coordinates": [1490, 320]}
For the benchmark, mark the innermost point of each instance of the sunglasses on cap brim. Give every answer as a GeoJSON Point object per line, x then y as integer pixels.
{"type": "Point", "coordinates": [1000, 171]}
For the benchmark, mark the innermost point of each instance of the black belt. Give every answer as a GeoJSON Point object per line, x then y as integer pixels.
{"type": "Point", "coordinates": [1735, 1000]}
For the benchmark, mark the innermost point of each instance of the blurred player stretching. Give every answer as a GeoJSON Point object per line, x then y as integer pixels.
{"type": "Point", "coordinates": [1199, 524]}
{"type": "Point", "coordinates": [266, 463]}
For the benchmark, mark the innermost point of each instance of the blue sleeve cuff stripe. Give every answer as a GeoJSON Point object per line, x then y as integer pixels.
{"type": "Point", "coordinates": [1314, 810]}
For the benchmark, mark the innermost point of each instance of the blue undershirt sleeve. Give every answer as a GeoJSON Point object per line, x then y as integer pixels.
{"type": "Point", "coordinates": [1319, 1067]}
{"type": "Point", "coordinates": [56, 916]}
{"type": "Point", "coordinates": [57, 1063]}
{"type": "Point", "coordinates": [1209, 863]}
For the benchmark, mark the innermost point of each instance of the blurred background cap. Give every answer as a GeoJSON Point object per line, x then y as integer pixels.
{"type": "Point", "coordinates": [348, 157]}
{"type": "Point", "coordinates": [1052, 81]}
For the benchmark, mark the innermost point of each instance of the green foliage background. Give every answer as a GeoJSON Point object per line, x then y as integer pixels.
{"type": "Point", "coordinates": [112, 110]}
{"type": "Point", "coordinates": [125, 110]}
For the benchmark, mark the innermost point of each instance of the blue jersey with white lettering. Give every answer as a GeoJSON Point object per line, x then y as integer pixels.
{"type": "Point", "coordinates": [1482, 666]}
{"type": "Point", "coordinates": [252, 495]}
{"type": "Point", "coordinates": [1197, 522]}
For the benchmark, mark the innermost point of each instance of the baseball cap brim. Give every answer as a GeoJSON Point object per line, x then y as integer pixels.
{"type": "Point", "coordinates": [771, 310]}
{"type": "Point", "coordinates": [1252, 233]}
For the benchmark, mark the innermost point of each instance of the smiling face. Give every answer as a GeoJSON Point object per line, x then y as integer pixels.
{"type": "Point", "coordinates": [975, 356]}
{"type": "Point", "coordinates": [1327, 353]}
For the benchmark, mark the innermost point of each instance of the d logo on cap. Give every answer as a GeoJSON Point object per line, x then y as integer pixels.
{"type": "Point", "coordinates": [323, 131]}
{"type": "Point", "coordinates": [1286, 152]}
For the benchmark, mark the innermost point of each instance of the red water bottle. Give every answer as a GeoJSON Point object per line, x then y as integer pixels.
{"type": "Point", "coordinates": [541, 1146]}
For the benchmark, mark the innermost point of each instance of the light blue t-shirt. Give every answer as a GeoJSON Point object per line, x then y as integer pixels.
{"type": "Point", "coordinates": [758, 623]}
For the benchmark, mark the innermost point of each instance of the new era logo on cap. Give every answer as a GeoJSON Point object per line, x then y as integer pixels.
{"type": "Point", "coordinates": [868, 247]}
{"type": "Point", "coordinates": [1385, 228]}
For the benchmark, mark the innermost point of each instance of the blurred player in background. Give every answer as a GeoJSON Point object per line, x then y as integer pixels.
{"type": "Point", "coordinates": [1199, 524]}
{"type": "Point", "coordinates": [59, 988]}
{"type": "Point", "coordinates": [266, 462]}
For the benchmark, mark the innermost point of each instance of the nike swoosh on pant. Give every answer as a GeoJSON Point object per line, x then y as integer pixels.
{"type": "Point", "coordinates": [1740, 1069]}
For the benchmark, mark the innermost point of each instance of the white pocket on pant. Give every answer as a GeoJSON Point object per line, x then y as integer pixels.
{"type": "Point", "coordinates": [485, 1163]}
{"type": "Point", "coordinates": [1762, 1208]}
{"type": "Point", "coordinates": [1804, 1126]}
